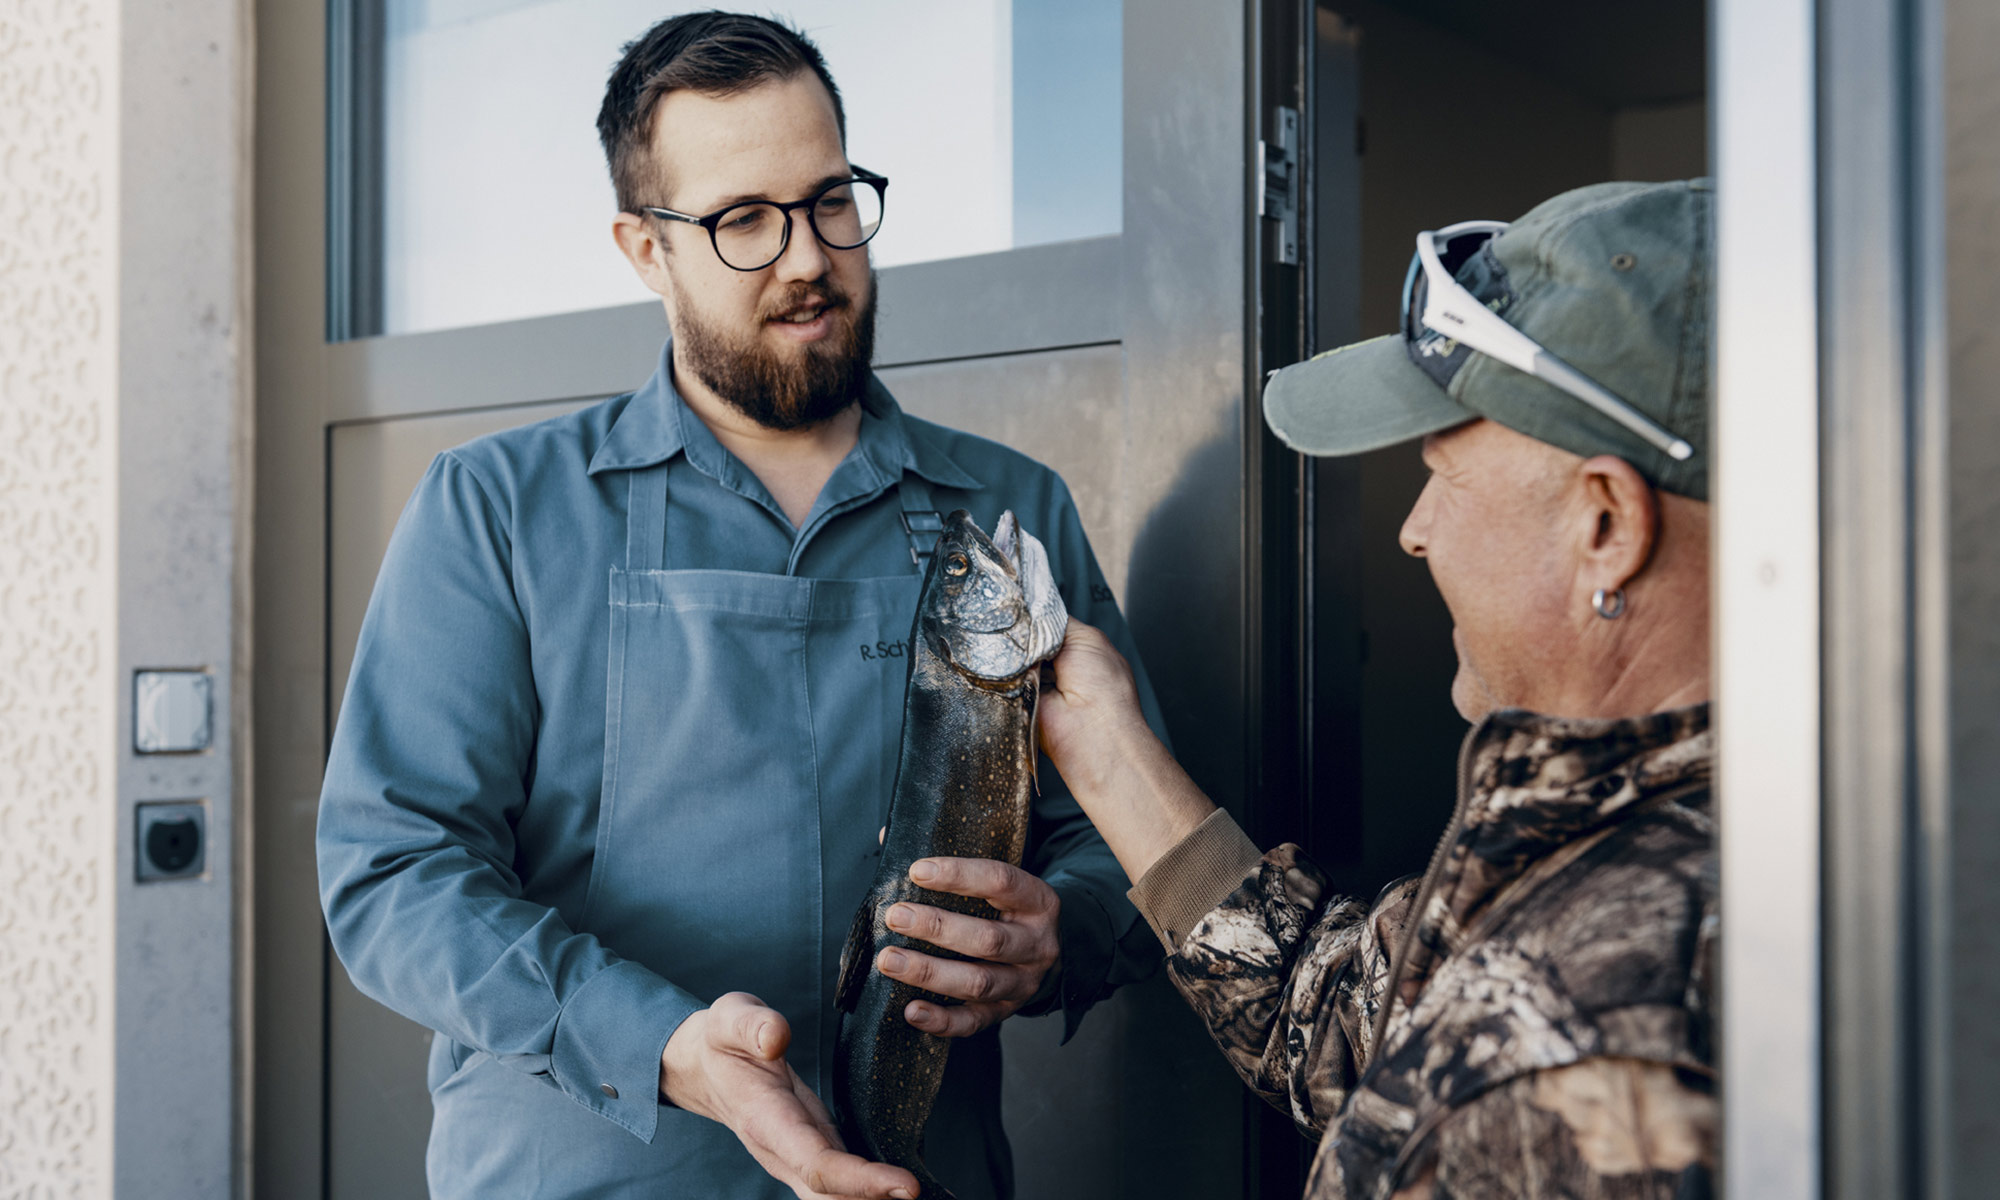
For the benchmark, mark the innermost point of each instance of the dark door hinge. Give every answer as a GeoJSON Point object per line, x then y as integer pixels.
{"type": "Point", "coordinates": [1280, 185]}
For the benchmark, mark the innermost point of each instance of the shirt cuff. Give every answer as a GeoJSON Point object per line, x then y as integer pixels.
{"type": "Point", "coordinates": [1190, 880]}
{"type": "Point", "coordinates": [1084, 930]}
{"type": "Point", "coordinates": [609, 1039]}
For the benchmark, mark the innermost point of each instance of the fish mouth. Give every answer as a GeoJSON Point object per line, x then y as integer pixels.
{"type": "Point", "coordinates": [1002, 636]}
{"type": "Point", "coordinates": [1002, 549]}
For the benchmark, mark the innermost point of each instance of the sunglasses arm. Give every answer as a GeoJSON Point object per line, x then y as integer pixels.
{"type": "Point", "coordinates": [1456, 313]}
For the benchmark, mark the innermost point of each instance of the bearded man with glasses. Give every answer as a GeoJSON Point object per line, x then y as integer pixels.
{"type": "Point", "coordinates": [624, 714]}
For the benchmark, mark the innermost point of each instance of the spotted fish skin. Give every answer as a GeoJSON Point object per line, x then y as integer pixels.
{"type": "Point", "coordinates": [964, 782]}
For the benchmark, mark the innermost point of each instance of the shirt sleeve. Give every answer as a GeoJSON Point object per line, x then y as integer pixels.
{"type": "Point", "coordinates": [1104, 943]}
{"type": "Point", "coordinates": [1288, 977]}
{"type": "Point", "coordinates": [425, 782]}
{"type": "Point", "coordinates": [1593, 1130]}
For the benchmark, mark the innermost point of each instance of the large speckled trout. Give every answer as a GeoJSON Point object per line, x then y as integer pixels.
{"type": "Point", "coordinates": [988, 618]}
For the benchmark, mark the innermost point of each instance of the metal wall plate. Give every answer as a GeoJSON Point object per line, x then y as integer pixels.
{"type": "Point", "coordinates": [170, 712]}
{"type": "Point", "coordinates": [170, 840]}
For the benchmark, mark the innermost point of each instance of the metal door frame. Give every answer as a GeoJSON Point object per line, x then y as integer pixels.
{"type": "Point", "coordinates": [1159, 289]}
{"type": "Point", "coordinates": [1830, 584]}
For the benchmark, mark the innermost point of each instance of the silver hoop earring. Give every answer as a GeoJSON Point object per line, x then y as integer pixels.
{"type": "Point", "coordinates": [1609, 605]}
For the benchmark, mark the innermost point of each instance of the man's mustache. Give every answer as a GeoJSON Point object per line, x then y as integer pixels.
{"type": "Point", "coordinates": [803, 295]}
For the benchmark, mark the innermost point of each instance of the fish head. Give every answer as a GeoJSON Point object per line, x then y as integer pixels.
{"type": "Point", "coordinates": [990, 606]}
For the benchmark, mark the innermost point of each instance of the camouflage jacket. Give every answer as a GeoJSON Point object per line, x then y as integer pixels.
{"type": "Point", "coordinates": [1532, 1017]}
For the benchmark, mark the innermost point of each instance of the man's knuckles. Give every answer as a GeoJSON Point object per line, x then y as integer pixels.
{"type": "Point", "coordinates": [967, 935]}
{"type": "Point", "coordinates": [981, 984]}
{"type": "Point", "coordinates": [1005, 886]}
{"type": "Point", "coordinates": [985, 940]}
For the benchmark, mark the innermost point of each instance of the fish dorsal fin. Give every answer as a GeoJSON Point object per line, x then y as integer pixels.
{"type": "Point", "coordinates": [857, 957]}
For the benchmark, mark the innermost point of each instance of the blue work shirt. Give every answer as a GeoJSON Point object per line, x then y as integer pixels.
{"type": "Point", "coordinates": [459, 821]}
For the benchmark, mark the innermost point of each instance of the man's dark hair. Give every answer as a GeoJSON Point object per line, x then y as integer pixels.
{"type": "Point", "coordinates": [714, 53]}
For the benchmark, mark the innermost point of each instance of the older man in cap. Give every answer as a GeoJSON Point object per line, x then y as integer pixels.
{"type": "Point", "coordinates": [1532, 1016]}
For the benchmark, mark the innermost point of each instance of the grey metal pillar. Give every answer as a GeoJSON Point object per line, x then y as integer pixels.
{"type": "Point", "coordinates": [1886, 761]}
{"type": "Point", "coordinates": [1970, 171]}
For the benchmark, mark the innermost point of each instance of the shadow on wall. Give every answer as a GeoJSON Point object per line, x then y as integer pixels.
{"type": "Point", "coordinates": [1185, 607]}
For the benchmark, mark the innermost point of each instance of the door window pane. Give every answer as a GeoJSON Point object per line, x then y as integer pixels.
{"type": "Point", "coordinates": [998, 120]}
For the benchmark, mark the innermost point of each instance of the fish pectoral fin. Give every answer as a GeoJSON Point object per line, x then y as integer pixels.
{"type": "Point", "coordinates": [856, 958]}
{"type": "Point", "coordinates": [1034, 727]}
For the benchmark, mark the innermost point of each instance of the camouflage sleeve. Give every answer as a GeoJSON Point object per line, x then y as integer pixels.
{"type": "Point", "coordinates": [1599, 1129]}
{"type": "Point", "coordinates": [1287, 978]}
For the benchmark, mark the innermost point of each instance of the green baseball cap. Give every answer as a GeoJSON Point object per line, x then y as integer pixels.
{"type": "Point", "coordinates": [1612, 286]}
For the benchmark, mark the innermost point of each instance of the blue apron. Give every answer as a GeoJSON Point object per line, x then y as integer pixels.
{"type": "Point", "coordinates": [749, 754]}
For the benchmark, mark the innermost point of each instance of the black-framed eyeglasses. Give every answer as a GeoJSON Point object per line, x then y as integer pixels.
{"type": "Point", "coordinates": [752, 235]}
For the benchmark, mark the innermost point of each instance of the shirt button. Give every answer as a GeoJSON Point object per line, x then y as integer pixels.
{"type": "Point", "coordinates": [609, 1091]}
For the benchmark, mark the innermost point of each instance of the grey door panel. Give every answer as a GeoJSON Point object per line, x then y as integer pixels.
{"type": "Point", "coordinates": [378, 1109]}
{"type": "Point", "coordinates": [1064, 408]}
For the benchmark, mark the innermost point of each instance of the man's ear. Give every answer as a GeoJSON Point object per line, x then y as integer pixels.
{"type": "Point", "coordinates": [647, 254]}
{"type": "Point", "coordinates": [1622, 523]}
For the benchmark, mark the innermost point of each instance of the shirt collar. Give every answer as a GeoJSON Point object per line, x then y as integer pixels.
{"type": "Point", "coordinates": [657, 424]}
{"type": "Point", "coordinates": [1535, 788]}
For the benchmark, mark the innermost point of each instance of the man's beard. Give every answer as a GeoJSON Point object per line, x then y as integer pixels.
{"type": "Point", "coordinates": [752, 379]}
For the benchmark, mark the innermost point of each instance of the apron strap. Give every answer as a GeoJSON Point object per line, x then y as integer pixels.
{"type": "Point", "coordinates": [646, 519]}
{"type": "Point", "coordinates": [921, 521]}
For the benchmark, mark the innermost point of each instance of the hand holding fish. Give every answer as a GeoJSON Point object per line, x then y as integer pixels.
{"type": "Point", "coordinates": [1092, 729]}
{"type": "Point", "coordinates": [727, 1063]}
{"type": "Point", "coordinates": [1092, 711]}
{"type": "Point", "coordinates": [1008, 958]}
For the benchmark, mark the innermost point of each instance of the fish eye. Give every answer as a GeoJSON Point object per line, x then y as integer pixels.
{"type": "Point", "coordinates": [956, 565]}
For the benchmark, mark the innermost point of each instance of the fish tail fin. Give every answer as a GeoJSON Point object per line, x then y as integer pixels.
{"type": "Point", "coordinates": [857, 956]}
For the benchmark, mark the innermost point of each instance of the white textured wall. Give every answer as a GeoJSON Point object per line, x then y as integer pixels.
{"type": "Point", "coordinates": [58, 437]}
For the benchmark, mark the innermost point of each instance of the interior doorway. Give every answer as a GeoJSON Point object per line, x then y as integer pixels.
{"type": "Point", "coordinates": [1463, 111]}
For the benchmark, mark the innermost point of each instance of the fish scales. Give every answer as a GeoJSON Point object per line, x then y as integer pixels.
{"type": "Point", "coordinates": [988, 618]}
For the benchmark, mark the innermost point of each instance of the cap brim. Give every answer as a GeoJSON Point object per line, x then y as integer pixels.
{"type": "Point", "coordinates": [1357, 398]}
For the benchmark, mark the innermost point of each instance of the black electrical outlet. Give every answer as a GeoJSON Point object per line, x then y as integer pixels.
{"type": "Point", "coordinates": [172, 845]}
{"type": "Point", "coordinates": [170, 840]}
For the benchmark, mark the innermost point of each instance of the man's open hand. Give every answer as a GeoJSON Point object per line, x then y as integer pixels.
{"type": "Point", "coordinates": [727, 1063]}
{"type": "Point", "coordinates": [1015, 952]}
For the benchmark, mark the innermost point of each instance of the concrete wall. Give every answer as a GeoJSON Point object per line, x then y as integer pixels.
{"type": "Point", "coordinates": [59, 180]}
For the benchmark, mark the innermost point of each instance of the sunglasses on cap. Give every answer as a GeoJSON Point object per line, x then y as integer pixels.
{"type": "Point", "coordinates": [1434, 299]}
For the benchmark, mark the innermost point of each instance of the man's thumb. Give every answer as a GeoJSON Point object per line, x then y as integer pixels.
{"type": "Point", "coordinates": [765, 1034]}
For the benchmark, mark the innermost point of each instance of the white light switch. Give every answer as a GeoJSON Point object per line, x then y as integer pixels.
{"type": "Point", "coordinates": [170, 712]}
